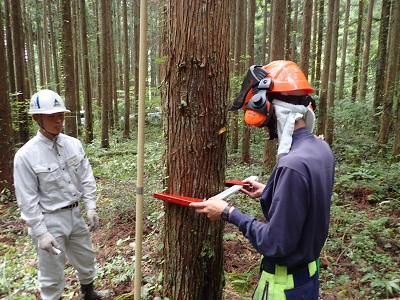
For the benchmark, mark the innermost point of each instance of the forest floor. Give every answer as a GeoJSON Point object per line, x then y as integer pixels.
{"type": "Point", "coordinates": [240, 257]}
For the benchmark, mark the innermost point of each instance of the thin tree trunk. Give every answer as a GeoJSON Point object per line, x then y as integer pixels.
{"type": "Point", "coordinates": [357, 50]}
{"type": "Point", "coordinates": [87, 86]}
{"type": "Point", "coordinates": [362, 88]}
{"type": "Point", "coordinates": [126, 70]}
{"type": "Point", "coordinates": [323, 97]}
{"type": "Point", "coordinates": [6, 133]}
{"type": "Point", "coordinates": [67, 54]}
{"type": "Point", "coordinates": [306, 37]}
{"type": "Point", "coordinates": [381, 59]}
{"type": "Point", "coordinates": [343, 51]}
{"type": "Point", "coordinates": [19, 66]}
{"type": "Point", "coordinates": [332, 75]}
{"type": "Point", "coordinates": [106, 87]}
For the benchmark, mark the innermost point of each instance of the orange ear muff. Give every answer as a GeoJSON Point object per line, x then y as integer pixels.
{"type": "Point", "coordinates": [259, 111]}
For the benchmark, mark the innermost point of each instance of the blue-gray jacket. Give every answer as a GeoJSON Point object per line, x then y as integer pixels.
{"type": "Point", "coordinates": [296, 203]}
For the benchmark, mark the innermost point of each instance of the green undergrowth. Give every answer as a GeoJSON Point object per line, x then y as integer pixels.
{"type": "Point", "coordinates": [359, 261]}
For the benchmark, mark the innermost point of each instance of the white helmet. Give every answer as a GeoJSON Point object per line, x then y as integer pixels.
{"type": "Point", "coordinates": [46, 102]}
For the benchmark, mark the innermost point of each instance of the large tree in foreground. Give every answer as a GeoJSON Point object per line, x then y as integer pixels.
{"type": "Point", "coordinates": [195, 88]}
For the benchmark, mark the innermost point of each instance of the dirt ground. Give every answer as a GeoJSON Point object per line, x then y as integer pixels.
{"type": "Point", "coordinates": [240, 256]}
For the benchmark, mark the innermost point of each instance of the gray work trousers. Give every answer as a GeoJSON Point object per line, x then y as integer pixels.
{"type": "Point", "coordinates": [72, 233]}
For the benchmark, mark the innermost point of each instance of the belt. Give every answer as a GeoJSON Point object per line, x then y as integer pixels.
{"type": "Point", "coordinates": [269, 267]}
{"type": "Point", "coordinates": [73, 205]}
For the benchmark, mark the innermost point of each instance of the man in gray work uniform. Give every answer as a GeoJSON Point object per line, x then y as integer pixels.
{"type": "Point", "coordinates": [51, 175]}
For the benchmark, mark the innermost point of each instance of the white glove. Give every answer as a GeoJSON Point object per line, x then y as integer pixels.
{"type": "Point", "coordinates": [48, 242]}
{"type": "Point", "coordinates": [93, 219]}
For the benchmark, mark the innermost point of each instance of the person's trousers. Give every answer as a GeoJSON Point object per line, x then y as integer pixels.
{"type": "Point", "coordinates": [279, 283]}
{"type": "Point", "coordinates": [72, 233]}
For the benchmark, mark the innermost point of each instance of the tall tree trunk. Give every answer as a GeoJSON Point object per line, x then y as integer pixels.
{"type": "Point", "coordinates": [264, 34]}
{"type": "Point", "coordinates": [67, 54]}
{"type": "Point", "coordinates": [277, 48]}
{"type": "Point", "coordinates": [238, 53]}
{"type": "Point", "coordinates": [126, 70]}
{"type": "Point", "coordinates": [362, 88]}
{"type": "Point", "coordinates": [106, 86]}
{"type": "Point", "coordinates": [289, 30]}
{"type": "Point", "coordinates": [87, 86]}
{"type": "Point", "coordinates": [6, 133]}
{"type": "Point", "coordinates": [319, 43]}
{"type": "Point", "coordinates": [46, 46]}
{"type": "Point", "coordinates": [314, 42]}
{"type": "Point", "coordinates": [251, 15]}
{"type": "Point", "coordinates": [323, 96]}
{"type": "Point", "coordinates": [343, 50]}
{"type": "Point", "coordinates": [357, 50]}
{"type": "Point", "coordinates": [332, 74]}
{"type": "Point", "coordinates": [390, 86]}
{"type": "Point", "coordinates": [54, 53]}
{"type": "Point", "coordinates": [9, 49]}
{"type": "Point", "coordinates": [306, 37]}
{"type": "Point", "coordinates": [381, 59]}
{"type": "Point", "coordinates": [19, 66]}
{"type": "Point", "coordinates": [195, 89]}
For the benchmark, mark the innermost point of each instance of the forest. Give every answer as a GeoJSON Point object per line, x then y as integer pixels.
{"type": "Point", "coordinates": [149, 85]}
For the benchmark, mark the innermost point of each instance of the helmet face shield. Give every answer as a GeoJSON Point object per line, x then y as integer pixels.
{"type": "Point", "coordinates": [254, 75]}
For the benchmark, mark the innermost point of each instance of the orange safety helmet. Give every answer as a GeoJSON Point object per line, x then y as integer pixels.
{"type": "Point", "coordinates": [288, 78]}
{"type": "Point", "coordinates": [281, 79]}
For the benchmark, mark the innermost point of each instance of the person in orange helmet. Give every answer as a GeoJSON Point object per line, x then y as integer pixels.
{"type": "Point", "coordinates": [296, 199]}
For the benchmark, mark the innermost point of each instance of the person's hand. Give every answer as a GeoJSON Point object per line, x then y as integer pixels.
{"type": "Point", "coordinates": [255, 188]}
{"type": "Point", "coordinates": [93, 219]}
{"type": "Point", "coordinates": [47, 242]}
{"type": "Point", "coordinates": [213, 207]}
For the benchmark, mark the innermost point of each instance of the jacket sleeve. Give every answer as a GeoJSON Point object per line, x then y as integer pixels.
{"type": "Point", "coordinates": [89, 189]}
{"type": "Point", "coordinates": [26, 190]}
{"type": "Point", "coordinates": [287, 213]}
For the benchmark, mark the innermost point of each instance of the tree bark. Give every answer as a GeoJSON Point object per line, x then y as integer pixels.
{"type": "Point", "coordinates": [87, 86]}
{"type": "Point", "coordinates": [106, 87]}
{"type": "Point", "coordinates": [381, 59]}
{"type": "Point", "coordinates": [323, 96]}
{"type": "Point", "coordinates": [195, 89]}
{"type": "Point", "coordinates": [67, 54]}
{"type": "Point", "coordinates": [6, 133]}
{"type": "Point", "coordinates": [332, 75]}
{"type": "Point", "coordinates": [357, 50]}
{"type": "Point", "coordinates": [343, 51]}
{"type": "Point", "coordinates": [362, 87]}
{"type": "Point", "coordinates": [19, 67]}
{"type": "Point", "coordinates": [306, 37]}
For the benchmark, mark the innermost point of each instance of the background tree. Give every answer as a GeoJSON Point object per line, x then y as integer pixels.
{"type": "Point", "coordinates": [126, 70]}
{"type": "Point", "coordinates": [380, 73]}
{"type": "Point", "coordinates": [21, 88]}
{"type": "Point", "coordinates": [277, 47]}
{"type": "Point", "coordinates": [362, 88]}
{"type": "Point", "coordinates": [6, 133]}
{"type": "Point", "coordinates": [250, 56]}
{"type": "Point", "coordinates": [106, 85]}
{"type": "Point", "coordinates": [332, 74]}
{"type": "Point", "coordinates": [323, 96]}
{"type": "Point", "coordinates": [343, 54]}
{"type": "Point", "coordinates": [67, 55]}
{"type": "Point", "coordinates": [86, 79]}
{"type": "Point", "coordinates": [390, 84]}
{"type": "Point", "coordinates": [194, 114]}
{"type": "Point", "coordinates": [306, 37]}
{"type": "Point", "coordinates": [356, 68]}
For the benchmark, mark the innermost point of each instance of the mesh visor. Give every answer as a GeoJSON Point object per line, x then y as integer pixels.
{"type": "Point", "coordinates": [253, 77]}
